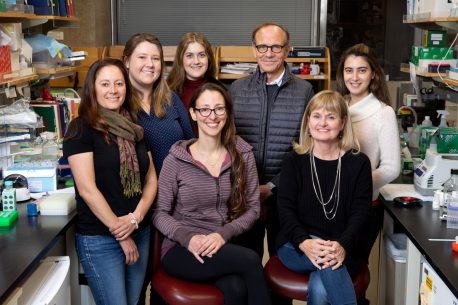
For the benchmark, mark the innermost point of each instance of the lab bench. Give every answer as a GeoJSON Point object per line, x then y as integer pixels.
{"type": "Point", "coordinates": [420, 224]}
{"type": "Point", "coordinates": [29, 240]}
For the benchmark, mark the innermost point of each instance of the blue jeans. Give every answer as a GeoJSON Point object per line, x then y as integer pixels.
{"type": "Point", "coordinates": [112, 282]}
{"type": "Point", "coordinates": [326, 286]}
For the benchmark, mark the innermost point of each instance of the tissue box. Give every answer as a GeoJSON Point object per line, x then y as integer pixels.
{"type": "Point", "coordinates": [39, 179]}
{"type": "Point", "coordinates": [57, 204]}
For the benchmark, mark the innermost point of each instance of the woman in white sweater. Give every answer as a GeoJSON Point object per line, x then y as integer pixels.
{"type": "Point", "coordinates": [361, 79]}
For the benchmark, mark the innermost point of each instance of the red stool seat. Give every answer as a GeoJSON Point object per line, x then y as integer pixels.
{"type": "Point", "coordinates": [295, 286]}
{"type": "Point", "coordinates": [178, 292]}
{"type": "Point", "coordinates": [175, 291]}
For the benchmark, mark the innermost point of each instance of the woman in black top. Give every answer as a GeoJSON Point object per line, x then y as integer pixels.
{"type": "Point", "coordinates": [324, 201]}
{"type": "Point", "coordinates": [115, 184]}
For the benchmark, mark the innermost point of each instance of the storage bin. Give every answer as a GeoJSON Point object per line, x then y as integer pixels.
{"type": "Point", "coordinates": [396, 250]}
{"type": "Point", "coordinates": [42, 60]}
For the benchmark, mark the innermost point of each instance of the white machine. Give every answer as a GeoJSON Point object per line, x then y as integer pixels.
{"type": "Point", "coordinates": [433, 171]}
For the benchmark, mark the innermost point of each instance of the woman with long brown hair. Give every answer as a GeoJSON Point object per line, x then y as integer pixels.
{"type": "Point", "coordinates": [208, 194]}
{"type": "Point", "coordinates": [194, 65]}
{"type": "Point", "coordinates": [115, 185]}
{"type": "Point", "coordinates": [361, 80]}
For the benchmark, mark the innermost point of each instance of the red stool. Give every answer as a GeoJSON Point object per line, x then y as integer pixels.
{"type": "Point", "coordinates": [293, 285]}
{"type": "Point", "coordinates": [175, 291]}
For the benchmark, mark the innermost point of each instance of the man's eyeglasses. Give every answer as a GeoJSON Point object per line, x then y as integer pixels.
{"type": "Point", "coordinates": [205, 112]}
{"type": "Point", "coordinates": [276, 48]}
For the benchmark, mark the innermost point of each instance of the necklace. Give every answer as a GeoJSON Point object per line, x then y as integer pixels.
{"type": "Point", "coordinates": [328, 213]}
{"type": "Point", "coordinates": [210, 162]}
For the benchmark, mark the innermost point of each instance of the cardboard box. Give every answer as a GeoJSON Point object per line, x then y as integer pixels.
{"type": "Point", "coordinates": [39, 179]}
{"type": "Point", "coordinates": [434, 38]}
{"type": "Point", "coordinates": [421, 53]}
{"type": "Point", "coordinates": [423, 64]}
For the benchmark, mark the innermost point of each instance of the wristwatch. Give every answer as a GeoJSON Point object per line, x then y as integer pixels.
{"type": "Point", "coordinates": [272, 187]}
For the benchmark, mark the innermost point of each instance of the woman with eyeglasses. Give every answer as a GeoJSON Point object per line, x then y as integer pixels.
{"type": "Point", "coordinates": [361, 80]}
{"type": "Point", "coordinates": [208, 194]}
{"type": "Point", "coordinates": [194, 65]}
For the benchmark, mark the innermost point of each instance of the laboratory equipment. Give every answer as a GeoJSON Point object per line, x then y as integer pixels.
{"type": "Point", "coordinates": [407, 201]}
{"type": "Point", "coordinates": [449, 187]}
{"type": "Point", "coordinates": [452, 211]}
{"type": "Point", "coordinates": [20, 185]}
{"type": "Point", "coordinates": [8, 217]}
{"type": "Point", "coordinates": [8, 197]}
{"type": "Point", "coordinates": [58, 204]}
{"type": "Point", "coordinates": [433, 171]}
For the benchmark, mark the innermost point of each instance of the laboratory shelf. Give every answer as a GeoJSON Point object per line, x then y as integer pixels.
{"type": "Point", "coordinates": [425, 21]}
{"type": "Point", "coordinates": [19, 80]}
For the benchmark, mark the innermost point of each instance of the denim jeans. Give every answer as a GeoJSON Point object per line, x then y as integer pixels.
{"type": "Point", "coordinates": [326, 286]}
{"type": "Point", "coordinates": [112, 282]}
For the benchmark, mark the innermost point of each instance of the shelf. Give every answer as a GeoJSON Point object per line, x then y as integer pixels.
{"type": "Point", "coordinates": [56, 72]}
{"type": "Point", "coordinates": [7, 16]}
{"type": "Point", "coordinates": [22, 16]}
{"type": "Point", "coordinates": [244, 54]}
{"type": "Point", "coordinates": [31, 20]}
{"type": "Point", "coordinates": [406, 69]}
{"type": "Point", "coordinates": [229, 76]}
{"type": "Point", "coordinates": [289, 59]}
{"type": "Point", "coordinates": [451, 82]}
{"type": "Point", "coordinates": [425, 21]}
{"type": "Point", "coordinates": [19, 80]}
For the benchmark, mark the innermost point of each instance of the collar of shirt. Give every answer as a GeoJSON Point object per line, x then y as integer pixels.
{"type": "Point", "coordinates": [278, 80]}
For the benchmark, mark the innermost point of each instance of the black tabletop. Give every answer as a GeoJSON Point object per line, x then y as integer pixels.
{"type": "Point", "coordinates": [25, 243]}
{"type": "Point", "coordinates": [422, 223]}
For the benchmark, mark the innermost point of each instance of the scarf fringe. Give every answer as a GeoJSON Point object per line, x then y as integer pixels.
{"type": "Point", "coordinates": [131, 181]}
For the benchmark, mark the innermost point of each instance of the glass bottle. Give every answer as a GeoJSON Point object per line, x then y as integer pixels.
{"type": "Point", "coordinates": [450, 186]}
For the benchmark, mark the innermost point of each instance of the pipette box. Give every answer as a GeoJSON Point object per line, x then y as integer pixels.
{"type": "Point", "coordinates": [39, 179]}
{"type": "Point", "coordinates": [446, 143]}
{"type": "Point", "coordinates": [7, 218]}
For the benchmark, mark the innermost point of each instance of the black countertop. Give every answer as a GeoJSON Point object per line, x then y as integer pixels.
{"type": "Point", "coordinates": [25, 243]}
{"type": "Point", "coordinates": [422, 223]}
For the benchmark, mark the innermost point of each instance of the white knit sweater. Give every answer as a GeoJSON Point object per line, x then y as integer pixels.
{"type": "Point", "coordinates": [376, 128]}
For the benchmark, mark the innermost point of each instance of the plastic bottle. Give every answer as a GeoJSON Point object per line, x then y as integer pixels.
{"type": "Point", "coordinates": [427, 121]}
{"type": "Point", "coordinates": [9, 197]}
{"type": "Point", "coordinates": [50, 149]}
{"type": "Point", "coordinates": [443, 114]}
{"type": "Point", "coordinates": [450, 186]}
{"type": "Point", "coordinates": [414, 137]}
{"type": "Point", "coordinates": [452, 211]}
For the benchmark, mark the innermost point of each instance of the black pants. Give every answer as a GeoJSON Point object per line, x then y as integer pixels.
{"type": "Point", "coordinates": [236, 270]}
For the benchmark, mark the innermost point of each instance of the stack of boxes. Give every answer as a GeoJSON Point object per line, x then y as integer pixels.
{"type": "Point", "coordinates": [434, 56]}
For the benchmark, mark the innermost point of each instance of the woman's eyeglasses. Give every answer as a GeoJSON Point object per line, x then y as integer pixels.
{"type": "Point", "coordinates": [205, 112]}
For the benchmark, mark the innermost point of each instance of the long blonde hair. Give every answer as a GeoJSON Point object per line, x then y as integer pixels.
{"type": "Point", "coordinates": [162, 95]}
{"type": "Point", "coordinates": [333, 102]}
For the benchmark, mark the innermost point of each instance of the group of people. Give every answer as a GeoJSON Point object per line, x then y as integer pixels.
{"type": "Point", "coordinates": [267, 154]}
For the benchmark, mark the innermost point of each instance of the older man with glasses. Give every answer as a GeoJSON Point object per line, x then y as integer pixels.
{"type": "Point", "coordinates": [268, 111]}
